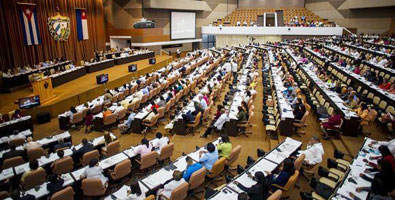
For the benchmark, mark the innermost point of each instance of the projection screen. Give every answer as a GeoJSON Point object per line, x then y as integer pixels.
{"type": "Point", "coordinates": [182, 25]}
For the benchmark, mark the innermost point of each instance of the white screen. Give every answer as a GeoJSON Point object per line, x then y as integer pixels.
{"type": "Point", "coordinates": [183, 25]}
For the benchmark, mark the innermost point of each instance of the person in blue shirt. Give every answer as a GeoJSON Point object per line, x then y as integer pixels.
{"type": "Point", "coordinates": [208, 158]}
{"type": "Point", "coordinates": [286, 170]}
{"type": "Point", "coordinates": [191, 168]}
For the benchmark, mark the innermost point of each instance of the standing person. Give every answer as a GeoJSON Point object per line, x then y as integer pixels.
{"type": "Point", "coordinates": [332, 122]}
{"type": "Point", "coordinates": [234, 70]}
{"type": "Point", "coordinates": [88, 121]}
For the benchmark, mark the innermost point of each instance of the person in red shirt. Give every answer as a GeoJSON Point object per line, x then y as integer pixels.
{"type": "Point", "coordinates": [332, 123]}
{"type": "Point", "coordinates": [88, 121]}
{"type": "Point", "coordinates": [385, 155]}
{"type": "Point", "coordinates": [357, 70]}
{"type": "Point", "coordinates": [385, 85]}
{"type": "Point", "coordinates": [17, 114]}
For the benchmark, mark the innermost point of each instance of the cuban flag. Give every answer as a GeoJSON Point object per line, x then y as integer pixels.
{"type": "Point", "coordinates": [82, 24]}
{"type": "Point", "coordinates": [28, 16]}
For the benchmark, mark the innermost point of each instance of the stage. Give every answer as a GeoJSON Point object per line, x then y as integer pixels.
{"type": "Point", "coordinates": [82, 89]}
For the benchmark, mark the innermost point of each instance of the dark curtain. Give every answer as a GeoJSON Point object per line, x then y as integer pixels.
{"type": "Point", "coordinates": [13, 51]}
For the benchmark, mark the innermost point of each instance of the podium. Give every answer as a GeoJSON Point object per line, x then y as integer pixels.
{"type": "Point", "coordinates": [43, 88]}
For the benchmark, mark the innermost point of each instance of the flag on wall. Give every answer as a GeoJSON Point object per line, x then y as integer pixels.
{"type": "Point", "coordinates": [28, 17]}
{"type": "Point", "coordinates": [82, 24]}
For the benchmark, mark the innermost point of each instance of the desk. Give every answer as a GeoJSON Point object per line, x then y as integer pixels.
{"type": "Point", "coordinates": [7, 128]}
{"type": "Point", "coordinates": [23, 78]}
{"type": "Point", "coordinates": [263, 164]}
{"type": "Point", "coordinates": [132, 58]}
{"type": "Point", "coordinates": [4, 140]}
{"type": "Point", "coordinates": [358, 166]}
{"type": "Point", "coordinates": [62, 78]}
{"type": "Point", "coordinates": [97, 66]}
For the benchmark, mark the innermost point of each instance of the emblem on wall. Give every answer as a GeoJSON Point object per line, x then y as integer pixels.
{"type": "Point", "coordinates": [59, 27]}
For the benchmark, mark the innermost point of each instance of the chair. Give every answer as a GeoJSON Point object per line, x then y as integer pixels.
{"type": "Point", "coordinates": [112, 148]}
{"type": "Point", "coordinates": [245, 125]}
{"type": "Point", "coordinates": [121, 170]}
{"type": "Point", "coordinates": [234, 155]}
{"type": "Point", "coordinates": [148, 160]}
{"type": "Point", "coordinates": [276, 195]}
{"type": "Point", "coordinates": [93, 187]}
{"type": "Point", "coordinates": [34, 178]}
{"type": "Point", "coordinates": [299, 162]}
{"type": "Point", "coordinates": [150, 197]}
{"type": "Point", "coordinates": [88, 156]}
{"type": "Point", "coordinates": [195, 124]}
{"type": "Point", "coordinates": [121, 114]}
{"type": "Point", "coordinates": [152, 123]}
{"type": "Point", "coordinates": [196, 180]}
{"type": "Point", "coordinates": [36, 153]}
{"type": "Point", "coordinates": [301, 123]}
{"type": "Point", "coordinates": [13, 162]}
{"type": "Point", "coordinates": [66, 193]}
{"type": "Point", "coordinates": [287, 189]}
{"type": "Point", "coordinates": [97, 108]}
{"type": "Point", "coordinates": [179, 193]}
{"type": "Point", "coordinates": [4, 194]}
{"type": "Point", "coordinates": [166, 152]}
{"type": "Point", "coordinates": [77, 119]}
{"type": "Point", "coordinates": [17, 142]}
{"type": "Point", "coordinates": [63, 165]}
{"type": "Point", "coordinates": [110, 119]}
{"type": "Point", "coordinates": [216, 171]}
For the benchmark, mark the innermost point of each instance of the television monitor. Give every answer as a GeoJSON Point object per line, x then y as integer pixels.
{"type": "Point", "coordinates": [109, 56]}
{"type": "Point", "coordinates": [29, 102]}
{"type": "Point", "coordinates": [132, 68]}
{"type": "Point", "coordinates": [152, 61]}
{"type": "Point", "coordinates": [101, 78]}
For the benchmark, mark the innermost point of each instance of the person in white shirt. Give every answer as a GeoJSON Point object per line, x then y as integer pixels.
{"type": "Point", "coordinates": [382, 62]}
{"type": "Point", "coordinates": [31, 144]}
{"type": "Point", "coordinates": [313, 152]}
{"type": "Point", "coordinates": [234, 69]}
{"type": "Point", "coordinates": [160, 142]}
{"type": "Point", "coordinates": [389, 144]}
{"type": "Point", "coordinates": [95, 171]}
{"type": "Point", "coordinates": [17, 135]}
{"type": "Point", "coordinates": [203, 102]}
{"type": "Point", "coordinates": [218, 124]}
{"type": "Point", "coordinates": [228, 67]}
{"type": "Point", "coordinates": [169, 187]}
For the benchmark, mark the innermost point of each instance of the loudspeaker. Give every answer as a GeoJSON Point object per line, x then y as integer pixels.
{"type": "Point", "coordinates": [132, 68]}
{"type": "Point", "coordinates": [43, 117]}
{"type": "Point", "coordinates": [152, 61]}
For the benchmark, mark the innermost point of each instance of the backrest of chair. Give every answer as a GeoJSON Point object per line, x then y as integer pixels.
{"type": "Point", "coordinates": [131, 106]}
{"type": "Point", "coordinates": [234, 155]}
{"type": "Point", "coordinates": [12, 162]}
{"type": "Point", "coordinates": [290, 184]}
{"type": "Point", "coordinates": [121, 114]}
{"type": "Point", "coordinates": [150, 197]}
{"type": "Point", "coordinates": [161, 112]}
{"type": "Point", "coordinates": [34, 178]}
{"type": "Point", "coordinates": [148, 160]}
{"type": "Point", "coordinates": [65, 194]}
{"type": "Point", "coordinates": [88, 156]}
{"type": "Point", "coordinates": [97, 108]}
{"type": "Point", "coordinates": [276, 195]}
{"type": "Point", "coordinates": [4, 195]}
{"type": "Point", "coordinates": [180, 193]}
{"type": "Point", "coordinates": [113, 148]}
{"type": "Point", "coordinates": [197, 119]}
{"type": "Point", "coordinates": [197, 178]}
{"type": "Point", "coordinates": [217, 168]}
{"type": "Point", "coordinates": [122, 169]}
{"type": "Point", "coordinates": [166, 151]}
{"type": "Point", "coordinates": [63, 165]}
{"type": "Point", "coordinates": [17, 142]}
{"type": "Point", "coordinates": [110, 119]}
{"type": "Point", "coordinates": [77, 118]}
{"type": "Point", "coordinates": [36, 153]}
{"type": "Point", "coordinates": [299, 161]}
{"type": "Point", "coordinates": [93, 187]}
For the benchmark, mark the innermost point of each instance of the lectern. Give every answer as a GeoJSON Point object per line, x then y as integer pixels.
{"type": "Point", "coordinates": [43, 87]}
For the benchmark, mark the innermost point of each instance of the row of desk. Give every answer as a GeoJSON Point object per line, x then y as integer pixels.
{"type": "Point", "coordinates": [356, 78]}
{"type": "Point", "coordinates": [269, 163]}
{"type": "Point", "coordinates": [351, 119]}
{"type": "Point", "coordinates": [8, 128]}
{"type": "Point", "coordinates": [287, 117]}
{"type": "Point", "coordinates": [23, 78]}
{"type": "Point", "coordinates": [72, 178]}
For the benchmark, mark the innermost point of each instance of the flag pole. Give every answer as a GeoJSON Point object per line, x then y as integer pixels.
{"type": "Point", "coordinates": [23, 3]}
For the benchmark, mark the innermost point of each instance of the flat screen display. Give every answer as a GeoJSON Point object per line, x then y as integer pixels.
{"type": "Point", "coordinates": [29, 102]}
{"type": "Point", "coordinates": [102, 78]}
